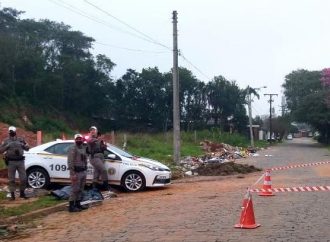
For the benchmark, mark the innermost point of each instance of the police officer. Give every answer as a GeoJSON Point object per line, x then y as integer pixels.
{"type": "Point", "coordinates": [13, 149]}
{"type": "Point", "coordinates": [96, 148]}
{"type": "Point", "coordinates": [77, 164]}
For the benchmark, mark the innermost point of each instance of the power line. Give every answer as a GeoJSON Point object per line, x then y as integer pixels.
{"type": "Point", "coordinates": [93, 18]}
{"type": "Point", "coordinates": [129, 26]}
{"type": "Point", "coordinates": [256, 111]}
{"type": "Point", "coordinates": [135, 50]}
{"type": "Point", "coordinates": [145, 38]}
{"type": "Point", "coordinates": [189, 62]}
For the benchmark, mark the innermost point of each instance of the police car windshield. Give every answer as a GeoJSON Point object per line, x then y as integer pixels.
{"type": "Point", "coordinates": [120, 151]}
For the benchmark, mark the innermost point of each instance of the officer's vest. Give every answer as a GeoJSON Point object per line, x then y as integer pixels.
{"type": "Point", "coordinates": [15, 150]}
{"type": "Point", "coordinates": [96, 146]}
{"type": "Point", "coordinates": [79, 157]}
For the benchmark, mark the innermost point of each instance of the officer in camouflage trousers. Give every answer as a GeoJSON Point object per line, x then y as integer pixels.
{"type": "Point", "coordinates": [96, 148]}
{"type": "Point", "coordinates": [77, 164]}
{"type": "Point", "coordinates": [13, 150]}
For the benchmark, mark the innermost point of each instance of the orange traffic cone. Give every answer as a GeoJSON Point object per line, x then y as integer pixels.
{"type": "Point", "coordinates": [247, 220]}
{"type": "Point", "coordinates": [267, 185]}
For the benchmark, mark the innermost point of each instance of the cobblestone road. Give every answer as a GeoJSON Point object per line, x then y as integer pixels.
{"type": "Point", "coordinates": [205, 209]}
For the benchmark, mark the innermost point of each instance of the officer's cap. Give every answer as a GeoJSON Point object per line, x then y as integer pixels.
{"type": "Point", "coordinates": [12, 128]}
{"type": "Point", "coordinates": [77, 136]}
{"type": "Point", "coordinates": [92, 127]}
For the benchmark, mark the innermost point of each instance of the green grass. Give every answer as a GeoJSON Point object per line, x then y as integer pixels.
{"type": "Point", "coordinates": [328, 147]}
{"type": "Point", "coordinates": [42, 202]}
{"type": "Point", "coordinates": [160, 146]}
{"type": "Point", "coordinates": [2, 164]}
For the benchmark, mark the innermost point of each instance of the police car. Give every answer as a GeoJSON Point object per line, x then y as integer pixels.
{"type": "Point", "coordinates": [47, 163]}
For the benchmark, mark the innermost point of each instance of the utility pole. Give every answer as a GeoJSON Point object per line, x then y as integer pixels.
{"type": "Point", "coordinates": [250, 117]}
{"type": "Point", "coordinates": [249, 100]}
{"type": "Point", "coordinates": [283, 106]}
{"type": "Point", "coordinates": [270, 114]}
{"type": "Point", "coordinates": [176, 103]}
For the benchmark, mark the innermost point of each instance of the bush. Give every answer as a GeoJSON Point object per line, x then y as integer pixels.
{"type": "Point", "coordinates": [49, 125]}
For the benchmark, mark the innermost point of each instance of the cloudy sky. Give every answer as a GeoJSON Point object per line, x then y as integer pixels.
{"type": "Point", "coordinates": [254, 42]}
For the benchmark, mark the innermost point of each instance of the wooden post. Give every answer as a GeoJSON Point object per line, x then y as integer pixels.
{"type": "Point", "coordinates": [113, 137]}
{"type": "Point", "coordinates": [39, 137]}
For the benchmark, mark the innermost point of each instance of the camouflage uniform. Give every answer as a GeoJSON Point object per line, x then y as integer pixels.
{"type": "Point", "coordinates": [96, 148]}
{"type": "Point", "coordinates": [13, 149]}
{"type": "Point", "coordinates": [77, 164]}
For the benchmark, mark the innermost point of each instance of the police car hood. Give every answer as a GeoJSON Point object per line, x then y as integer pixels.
{"type": "Point", "coordinates": [150, 162]}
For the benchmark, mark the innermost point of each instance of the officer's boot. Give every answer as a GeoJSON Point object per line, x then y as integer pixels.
{"type": "Point", "coordinates": [105, 186]}
{"type": "Point", "coordinates": [72, 207]}
{"type": "Point", "coordinates": [82, 207]}
{"type": "Point", "coordinates": [12, 196]}
{"type": "Point", "coordinates": [94, 185]}
{"type": "Point", "coordinates": [22, 194]}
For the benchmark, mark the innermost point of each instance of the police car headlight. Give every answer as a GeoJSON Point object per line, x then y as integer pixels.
{"type": "Point", "coordinates": [152, 167]}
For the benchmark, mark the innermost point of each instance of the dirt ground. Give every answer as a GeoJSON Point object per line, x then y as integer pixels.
{"type": "Point", "coordinates": [206, 208]}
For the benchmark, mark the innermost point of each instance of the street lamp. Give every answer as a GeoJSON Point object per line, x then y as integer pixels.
{"type": "Point", "coordinates": [250, 112]}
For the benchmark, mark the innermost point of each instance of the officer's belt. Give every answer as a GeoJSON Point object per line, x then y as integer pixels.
{"type": "Point", "coordinates": [79, 168]}
{"type": "Point", "coordinates": [15, 159]}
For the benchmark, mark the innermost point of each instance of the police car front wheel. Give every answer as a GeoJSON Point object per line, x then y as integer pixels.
{"type": "Point", "coordinates": [133, 181]}
{"type": "Point", "coordinates": [37, 178]}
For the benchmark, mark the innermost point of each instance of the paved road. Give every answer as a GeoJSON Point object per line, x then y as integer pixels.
{"type": "Point", "coordinates": [205, 209]}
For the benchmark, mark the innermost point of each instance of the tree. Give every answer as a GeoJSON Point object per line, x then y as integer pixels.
{"type": "Point", "coordinates": [325, 81]}
{"type": "Point", "coordinates": [225, 99]}
{"type": "Point", "coordinates": [49, 66]}
{"type": "Point", "coordinates": [307, 99]}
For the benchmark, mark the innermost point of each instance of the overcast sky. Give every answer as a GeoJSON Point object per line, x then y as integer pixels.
{"type": "Point", "coordinates": [254, 42]}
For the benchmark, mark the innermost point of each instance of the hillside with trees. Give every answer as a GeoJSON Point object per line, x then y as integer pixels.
{"type": "Point", "coordinates": [49, 75]}
{"type": "Point", "coordinates": [50, 80]}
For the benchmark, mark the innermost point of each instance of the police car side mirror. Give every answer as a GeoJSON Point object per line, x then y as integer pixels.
{"type": "Point", "coordinates": [112, 156]}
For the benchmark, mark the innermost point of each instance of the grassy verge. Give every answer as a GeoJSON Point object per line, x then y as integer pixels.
{"type": "Point", "coordinates": [2, 164]}
{"type": "Point", "coordinates": [160, 146]}
{"type": "Point", "coordinates": [42, 202]}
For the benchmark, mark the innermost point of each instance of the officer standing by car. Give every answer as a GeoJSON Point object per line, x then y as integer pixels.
{"type": "Point", "coordinates": [77, 165]}
{"type": "Point", "coordinates": [96, 148]}
{"type": "Point", "coordinates": [13, 149]}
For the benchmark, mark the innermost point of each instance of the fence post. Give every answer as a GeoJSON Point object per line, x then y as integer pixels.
{"type": "Point", "coordinates": [125, 142]}
{"type": "Point", "coordinates": [113, 137]}
{"type": "Point", "coordinates": [195, 136]}
{"type": "Point", "coordinates": [39, 137]}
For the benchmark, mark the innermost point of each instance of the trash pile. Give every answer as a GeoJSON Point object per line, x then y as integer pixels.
{"type": "Point", "coordinates": [215, 153]}
{"type": "Point", "coordinates": [29, 192]}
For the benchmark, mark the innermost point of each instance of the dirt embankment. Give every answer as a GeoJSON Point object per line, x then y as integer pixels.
{"type": "Point", "coordinates": [30, 137]}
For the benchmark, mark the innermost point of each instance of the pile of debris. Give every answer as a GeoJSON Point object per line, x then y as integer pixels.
{"type": "Point", "coordinates": [225, 169]}
{"type": "Point", "coordinates": [215, 153]}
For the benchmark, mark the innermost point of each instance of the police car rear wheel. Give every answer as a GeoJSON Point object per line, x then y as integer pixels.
{"type": "Point", "coordinates": [133, 181]}
{"type": "Point", "coordinates": [38, 178]}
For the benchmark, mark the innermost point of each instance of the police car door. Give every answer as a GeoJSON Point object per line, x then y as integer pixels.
{"type": "Point", "coordinates": [57, 160]}
{"type": "Point", "coordinates": [112, 164]}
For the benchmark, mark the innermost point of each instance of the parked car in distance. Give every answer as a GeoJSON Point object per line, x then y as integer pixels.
{"type": "Point", "coordinates": [47, 163]}
{"type": "Point", "coordinates": [289, 137]}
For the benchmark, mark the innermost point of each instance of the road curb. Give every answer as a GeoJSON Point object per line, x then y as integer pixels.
{"type": "Point", "coordinates": [34, 214]}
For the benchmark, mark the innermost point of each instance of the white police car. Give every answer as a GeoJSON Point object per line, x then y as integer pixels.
{"type": "Point", "coordinates": [47, 163]}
